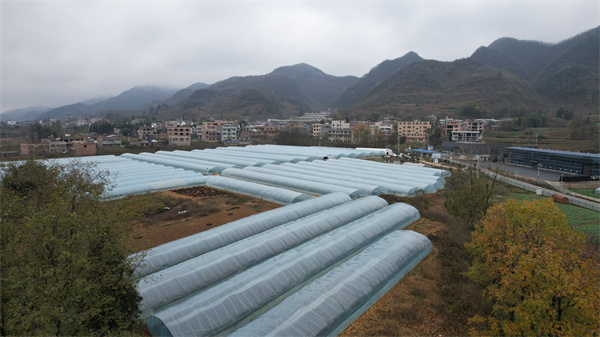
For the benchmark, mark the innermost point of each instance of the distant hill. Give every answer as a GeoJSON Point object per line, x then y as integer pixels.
{"type": "Point", "coordinates": [23, 114]}
{"type": "Point", "coordinates": [287, 91]}
{"type": "Point", "coordinates": [133, 100]}
{"type": "Point", "coordinates": [436, 83]}
{"type": "Point", "coordinates": [360, 90]}
{"type": "Point", "coordinates": [508, 74]}
{"type": "Point", "coordinates": [566, 73]}
{"type": "Point", "coordinates": [183, 94]}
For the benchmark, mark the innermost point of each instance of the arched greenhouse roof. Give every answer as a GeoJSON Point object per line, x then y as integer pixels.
{"type": "Point", "coordinates": [293, 183]}
{"type": "Point", "coordinates": [270, 193]}
{"type": "Point", "coordinates": [232, 302]}
{"type": "Point", "coordinates": [175, 252]}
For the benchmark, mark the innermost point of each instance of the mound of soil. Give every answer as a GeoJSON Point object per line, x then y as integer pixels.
{"type": "Point", "coordinates": [201, 192]}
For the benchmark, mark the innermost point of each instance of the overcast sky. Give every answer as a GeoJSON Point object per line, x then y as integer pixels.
{"type": "Point", "coordinates": [61, 52]}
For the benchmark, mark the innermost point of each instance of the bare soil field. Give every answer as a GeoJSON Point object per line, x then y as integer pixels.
{"type": "Point", "coordinates": [224, 206]}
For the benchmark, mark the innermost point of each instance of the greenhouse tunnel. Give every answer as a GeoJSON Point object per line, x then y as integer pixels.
{"type": "Point", "coordinates": [277, 195]}
{"type": "Point", "coordinates": [331, 303]}
{"type": "Point", "coordinates": [172, 253]}
{"type": "Point", "coordinates": [199, 273]}
{"type": "Point", "coordinates": [228, 305]}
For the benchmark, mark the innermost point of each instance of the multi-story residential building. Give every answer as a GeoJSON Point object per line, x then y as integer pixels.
{"type": "Point", "coordinates": [385, 128]}
{"type": "Point", "coordinates": [211, 133]}
{"type": "Point", "coordinates": [147, 132]}
{"type": "Point", "coordinates": [339, 135]}
{"type": "Point", "coordinates": [463, 131]}
{"type": "Point", "coordinates": [58, 146]}
{"type": "Point", "coordinates": [229, 133]}
{"type": "Point", "coordinates": [109, 142]}
{"type": "Point", "coordinates": [414, 131]}
{"type": "Point", "coordinates": [86, 148]}
{"type": "Point", "coordinates": [316, 130]}
{"type": "Point", "coordinates": [339, 124]}
{"type": "Point", "coordinates": [34, 149]}
{"type": "Point", "coordinates": [179, 135]}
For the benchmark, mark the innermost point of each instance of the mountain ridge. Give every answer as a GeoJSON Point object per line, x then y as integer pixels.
{"type": "Point", "coordinates": [506, 73]}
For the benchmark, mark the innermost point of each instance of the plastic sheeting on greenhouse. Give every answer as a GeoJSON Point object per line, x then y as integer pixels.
{"type": "Point", "coordinates": [251, 292]}
{"type": "Point", "coordinates": [126, 176]}
{"type": "Point", "coordinates": [198, 166]}
{"type": "Point", "coordinates": [295, 184]}
{"type": "Point", "coordinates": [248, 150]}
{"type": "Point", "coordinates": [411, 188]}
{"type": "Point", "coordinates": [175, 252]}
{"type": "Point", "coordinates": [277, 195]}
{"type": "Point", "coordinates": [428, 184]}
{"type": "Point", "coordinates": [141, 188]}
{"type": "Point", "coordinates": [404, 168]}
{"type": "Point", "coordinates": [275, 170]}
{"type": "Point", "coordinates": [389, 185]}
{"type": "Point", "coordinates": [248, 293]}
{"type": "Point", "coordinates": [331, 303]}
{"type": "Point", "coordinates": [320, 152]}
{"type": "Point", "coordinates": [199, 273]}
{"type": "Point", "coordinates": [205, 155]}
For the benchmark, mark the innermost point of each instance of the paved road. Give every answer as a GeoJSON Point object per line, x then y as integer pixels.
{"type": "Point", "coordinates": [533, 188]}
{"type": "Point", "coordinates": [525, 171]}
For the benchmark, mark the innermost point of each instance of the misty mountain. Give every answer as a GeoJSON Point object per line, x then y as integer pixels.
{"type": "Point", "coordinates": [455, 83]}
{"type": "Point", "coordinates": [566, 73]}
{"type": "Point", "coordinates": [182, 94]}
{"type": "Point", "coordinates": [505, 75]}
{"type": "Point", "coordinates": [133, 100]}
{"type": "Point", "coordinates": [23, 114]}
{"type": "Point", "coordinates": [365, 84]}
{"type": "Point", "coordinates": [287, 91]}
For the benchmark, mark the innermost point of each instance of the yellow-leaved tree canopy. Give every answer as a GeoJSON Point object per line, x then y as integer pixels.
{"type": "Point", "coordinates": [537, 275]}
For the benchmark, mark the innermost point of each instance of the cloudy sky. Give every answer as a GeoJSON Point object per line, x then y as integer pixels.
{"type": "Point", "coordinates": [61, 52]}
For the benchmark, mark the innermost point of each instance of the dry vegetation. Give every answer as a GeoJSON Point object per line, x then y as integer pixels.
{"type": "Point", "coordinates": [162, 217]}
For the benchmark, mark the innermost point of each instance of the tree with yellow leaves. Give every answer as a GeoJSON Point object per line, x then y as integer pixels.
{"type": "Point", "coordinates": [536, 275]}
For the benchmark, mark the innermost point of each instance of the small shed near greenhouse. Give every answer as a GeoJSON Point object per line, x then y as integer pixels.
{"type": "Point", "coordinates": [425, 153]}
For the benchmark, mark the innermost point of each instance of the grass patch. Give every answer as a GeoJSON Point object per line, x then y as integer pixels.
{"type": "Point", "coordinates": [139, 206]}
{"type": "Point", "coordinates": [589, 192]}
{"type": "Point", "coordinates": [582, 219]}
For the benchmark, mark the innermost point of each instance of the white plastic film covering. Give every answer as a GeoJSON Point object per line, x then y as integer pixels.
{"type": "Point", "coordinates": [328, 305]}
{"type": "Point", "coordinates": [262, 152]}
{"type": "Point", "coordinates": [395, 186]}
{"type": "Point", "coordinates": [433, 171]}
{"type": "Point", "coordinates": [263, 157]}
{"type": "Point", "coordinates": [143, 187]}
{"type": "Point", "coordinates": [175, 252]}
{"type": "Point", "coordinates": [388, 184]}
{"type": "Point", "coordinates": [295, 184]}
{"type": "Point", "coordinates": [276, 170]}
{"type": "Point", "coordinates": [203, 167]}
{"type": "Point", "coordinates": [423, 181]}
{"type": "Point", "coordinates": [597, 191]}
{"type": "Point", "coordinates": [321, 151]}
{"type": "Point", "coordinates": [126, 176]}
{"type": "Point", "coordinates": [191, 276]}
{"type": "Point", "coordinates": [277, 195]}
{"type": "Point", "coordinates": [205, 155]}
{"type": "Point", "coordinates": [252, 292]}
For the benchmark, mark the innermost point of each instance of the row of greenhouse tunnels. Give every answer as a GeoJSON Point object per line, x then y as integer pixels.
{"type": "Point", "coordinates": [310, 267]}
